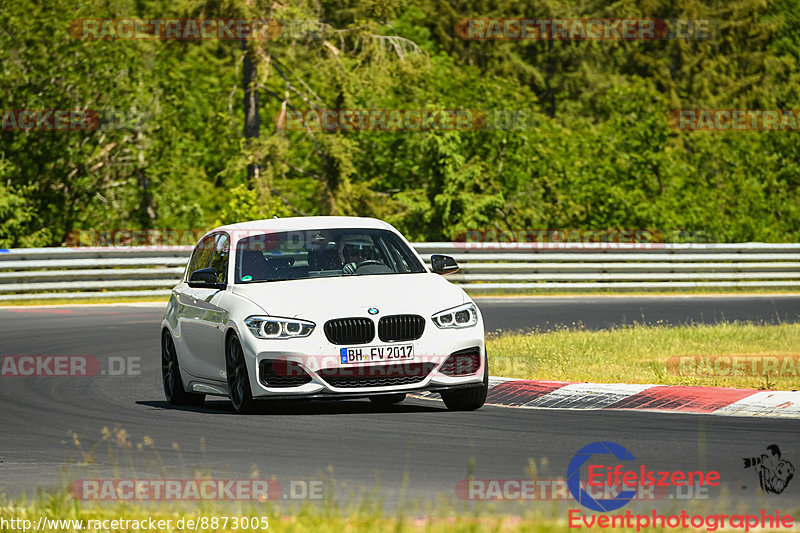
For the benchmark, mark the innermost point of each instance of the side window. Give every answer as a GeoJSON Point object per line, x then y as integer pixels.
{"type": "Point", "coordinates": [404, 262]}
{"type": "Point", "coordinates": [201, 256]}
{"type": "Point", "coordinates": [219, 260]}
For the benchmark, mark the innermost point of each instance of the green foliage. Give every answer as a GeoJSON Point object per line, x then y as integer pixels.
{"type": "Point", "coordinates": [245, 204]}
{"type": "Point", "coordinates": [16, 212]}
{"type": "Point", "coordinates": [596, 152]}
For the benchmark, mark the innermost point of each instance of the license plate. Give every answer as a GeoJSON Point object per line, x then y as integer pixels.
{"type": "Point", "coordinates": [370, 354]}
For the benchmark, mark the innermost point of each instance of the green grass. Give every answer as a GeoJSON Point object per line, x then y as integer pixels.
{"type": "Point", "coordinates": [639, 354]}
{"type": "Point", "coordinates": [438, 517]}
{"type": "Point", "coordinates": [84, 301]}
{"type": "Point", "coordinates": [307, 519]}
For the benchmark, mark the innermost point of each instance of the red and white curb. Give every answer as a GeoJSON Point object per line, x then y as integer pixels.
{"type": "Point", "coordinates": [531, 394]}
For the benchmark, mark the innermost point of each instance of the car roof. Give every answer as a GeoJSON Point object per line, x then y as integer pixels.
{"type": "Point", "coordinates": [305, 223]}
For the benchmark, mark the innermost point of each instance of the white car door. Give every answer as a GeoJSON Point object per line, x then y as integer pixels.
{"type": "Point", "coordinates": [191, 315]}
{"type": "Point", "coordinates": [207, 327]}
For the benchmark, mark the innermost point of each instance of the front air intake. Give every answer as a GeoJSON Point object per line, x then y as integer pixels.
{"type": "Point", "coordinates": [282, 374]}
{"type": "Point", "coordinates": [462, 362]}
{"type": "Point", "coordinates": [376, 375]}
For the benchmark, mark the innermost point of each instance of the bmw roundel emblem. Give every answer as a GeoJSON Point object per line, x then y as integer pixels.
{"type": "Point", "coordinates": [373, 311]}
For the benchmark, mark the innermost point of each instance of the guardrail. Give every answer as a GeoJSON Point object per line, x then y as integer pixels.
{"type": "Point", "coordinates": [47, 273]}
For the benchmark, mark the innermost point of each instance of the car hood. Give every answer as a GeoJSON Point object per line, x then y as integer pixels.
{"type": "Point", "coordinates": [324, 298]}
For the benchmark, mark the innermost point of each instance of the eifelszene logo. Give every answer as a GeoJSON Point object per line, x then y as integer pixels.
{"type": "Point", "coordinates": [616, 476]}
{"type": "Point", "coordinates": [774, 473]}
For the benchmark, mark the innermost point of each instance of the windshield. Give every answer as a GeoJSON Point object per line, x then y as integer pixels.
{"type": "Point", "coordinates": [322, 253]}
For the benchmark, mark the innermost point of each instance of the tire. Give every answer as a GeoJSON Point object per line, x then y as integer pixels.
{"type": "Point", "coordinates": [468, 399]}
{"type": "Point", "coordinates": [238, 378]}
{"type": "Point", "coordinates": [388, 399]}
{"type": "Point", "coordinates": [171, 376]}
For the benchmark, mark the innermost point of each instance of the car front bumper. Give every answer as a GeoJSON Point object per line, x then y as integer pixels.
{"type": "Point", "coordinates": [318, 363]}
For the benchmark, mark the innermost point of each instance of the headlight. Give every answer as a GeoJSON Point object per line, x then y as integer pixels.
{"type": "Point", "coordinates": [271, 327]}
{"type": "Point", "coordinates": [463, 316]}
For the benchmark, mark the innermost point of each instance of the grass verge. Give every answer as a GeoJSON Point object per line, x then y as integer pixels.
{"type": "Point", "coordinates": [59, 513]}
{"type": "Point", "coordinates": [84, 301]}
{"type": "Point", "coordinates": [641, 354]}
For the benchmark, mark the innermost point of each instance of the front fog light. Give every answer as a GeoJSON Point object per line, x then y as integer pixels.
{"type": "Point", "coordinates": [463, 316]}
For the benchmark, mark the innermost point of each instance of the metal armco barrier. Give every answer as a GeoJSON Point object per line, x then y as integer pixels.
{"type": "Point", "coordinates": [47, 273]}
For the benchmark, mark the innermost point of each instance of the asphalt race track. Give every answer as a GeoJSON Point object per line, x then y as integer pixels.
{"type": "Point", "coordinates": [351, 442]}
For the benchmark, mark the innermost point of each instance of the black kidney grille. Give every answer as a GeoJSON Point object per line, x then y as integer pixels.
{"type": "Point", "coordinates": [401, 328]}
{"type": "Point", "coordinates": [376, 375]}
{"type": "Point", "coordinates": [462, 362]}
{"type": "Point", "coordinates": [350, 330]}
{"type": "Point", "coordinates": [282, 374]}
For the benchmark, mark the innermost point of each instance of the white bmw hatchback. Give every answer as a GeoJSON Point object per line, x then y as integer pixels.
{"type": "Point", "coordinates": [319, 307]}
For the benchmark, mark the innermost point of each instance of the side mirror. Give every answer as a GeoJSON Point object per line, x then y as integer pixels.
{"type": "Point", "coordinates": [443, 264]}
{"type": "Point", "coordinates": [205, 278]}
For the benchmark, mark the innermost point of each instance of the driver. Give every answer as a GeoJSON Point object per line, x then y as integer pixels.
{"type": "Point", "coordinates": [354, 250]}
